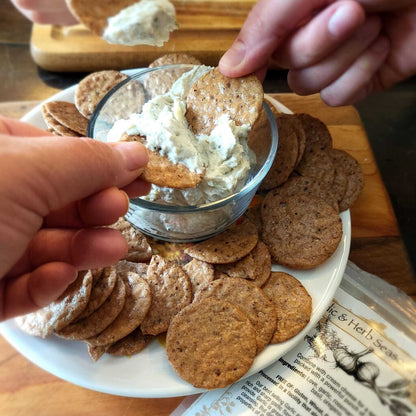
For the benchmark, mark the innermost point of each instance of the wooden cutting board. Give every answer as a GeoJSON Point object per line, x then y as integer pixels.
{"type": "Point", "coordinates": [206, 30]}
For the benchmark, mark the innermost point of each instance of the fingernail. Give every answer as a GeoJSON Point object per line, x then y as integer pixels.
{"type": "Point", "coordinates": [134, 154]}
{"type": "Point", "coordinates": [127, 199]}
{"type": "Point", "coordinates": [341, 21]}
{"type": "Point", "coordinates": [235, 55]}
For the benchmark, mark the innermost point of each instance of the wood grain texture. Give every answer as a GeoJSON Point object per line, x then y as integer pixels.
{"type": "Point", "coordinates": [376, 247]}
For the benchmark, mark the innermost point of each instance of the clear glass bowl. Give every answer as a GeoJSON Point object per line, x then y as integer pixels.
{"type": "Point", "coordinates": [172, 222]}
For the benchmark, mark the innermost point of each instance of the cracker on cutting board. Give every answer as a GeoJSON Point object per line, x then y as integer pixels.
{"type": "Point", "coordinates": [61, 312]}
{"type": "Point", "coordinates": [296, 124]}
{"type": "Point", "coordinates": [162, 172]}
{"type": "Point", "coordinates": [228, 247]}
{"type": "Point", "coordinates": [211, 343]}
{"type": "Point", "coordinates": [301, 231]}
{"type": "Point", "coordinates": [292, 302]}
{"type": "Point", "coordinates": [250, 299]}
{"type": "Point", "coordinates": [92, 89]}
{"type": "Point", "coordinates": [171, 291]}
{"type": "Point", "coordinates": [214, 94]}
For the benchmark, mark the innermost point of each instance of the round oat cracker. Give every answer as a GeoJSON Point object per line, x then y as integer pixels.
{"type": "Point", "coordinates": [305, 185]}
{"type": "Point", "coordinates": [339, 186]}
{"type": "Point", "coordinates": [125, 101]}
{"type": "Point", "coordinates": [61, 312]}
{"type": "Point", "coordinates": [130, 344]}
{"type": "Point", "coordinates": [354, 174]}
{"type": "Point", "coordinates": [292, 302]}
{"type": "Point", "coordinates": [163, 172]}
{"type": "Point", "coordinates": [256, 266]}
{"type": "Point", "coordinates": [94, 14]}
{"type": "Point", "coordinates": [296, 125]}
{"type": "Point", "coordinates": [229, 246]}
{"type": "Point", "coordinates": [211, 344]}
{"type": "Point", "coordinates": [317, 134]}
{"type": "Point", "coordinates": [200, 273]}
{"type": "Point", "coordinates": [55, 127]}
{"type": "Point", "coordinates": [137, 303]}
{"type": "Point", "coordinates": [174, 59]}
{"type": "Point", "coordinates": [301, 231]}
{"type": "Point", "coordinates": [67, 115]}
{"type": "Point", "coordinates": [101, 318]}
{"type": "Point", "coordinates": [124, 266]}
{"type": "Point", "coordinates": [214, 94]}
{"type": "Point", "coordinates": [253, 213]}
{"type": "Point", "coordinates": [250, 299]}
{"type": "Point", "coordinates": [158, 83]}
{"type": "Point", "coordinates": [318, 165]}
{"type": "Point", "coordinates": [171, 291]}
{"type": "Point", "coordinates": [139, 249]}
{"type": "Point", "coordinates": [286, 155]}
{"type": "Point", "coordinates": [92, 89]}
{"type": "Point", "coordinates": [104, 281]}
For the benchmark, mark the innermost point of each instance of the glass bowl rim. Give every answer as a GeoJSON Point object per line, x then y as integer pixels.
{"type": "Point", "coordinates": [176, 209]}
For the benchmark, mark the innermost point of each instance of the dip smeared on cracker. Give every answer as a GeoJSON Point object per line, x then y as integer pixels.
{"type": "Point", "coordinates": [127, 22]}
{"type": "Point", "coordinates": [221, 156]}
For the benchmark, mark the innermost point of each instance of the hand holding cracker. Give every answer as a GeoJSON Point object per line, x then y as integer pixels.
{"type": "Point", "coordinates": [55, 192]}
{"type": "Point", "coordinates": [343, 49]}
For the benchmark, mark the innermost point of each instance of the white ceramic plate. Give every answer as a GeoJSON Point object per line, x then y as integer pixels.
{"type": "Point", "coordinates": [149, 374]}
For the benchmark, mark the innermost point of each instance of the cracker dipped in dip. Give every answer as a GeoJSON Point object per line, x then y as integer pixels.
{"type": "Point", "coordinates": [127, 22]}
{"type": "Point", "coordinates": [221, 154]}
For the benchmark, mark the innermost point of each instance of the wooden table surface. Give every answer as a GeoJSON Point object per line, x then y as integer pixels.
{"type": "Point", "coordinates": [376, 247]}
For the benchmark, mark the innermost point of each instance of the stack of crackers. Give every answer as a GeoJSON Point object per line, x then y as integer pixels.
{"type": "Point", "coordinates": [308, 185]}
{"type": "Point", "coordinates": [218, 302]}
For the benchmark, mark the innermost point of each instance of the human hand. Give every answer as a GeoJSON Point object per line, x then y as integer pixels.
{"type": "Point", "coordinates": [55, 196]}
{"type": "Point", "coordinates": [46, 12]}
{"type": "Point", "coordinates": [344, 49]}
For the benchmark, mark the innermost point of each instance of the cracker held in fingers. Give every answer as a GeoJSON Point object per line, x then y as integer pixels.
{"type": "Point", "coordinates": [127, 22]}
{"type": "Point", "coordinates": [162, 172]}
{"type": "Point", "coordinates": [214, 95]}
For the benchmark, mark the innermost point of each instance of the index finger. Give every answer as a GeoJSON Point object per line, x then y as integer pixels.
{"type": "Point", "coordinates": [266, 27]}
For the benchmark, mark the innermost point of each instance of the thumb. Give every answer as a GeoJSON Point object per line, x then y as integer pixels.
{"type": "Point", "coordinates": [266, 27]}
{"type": "Point", "coordinates": [46, 173]}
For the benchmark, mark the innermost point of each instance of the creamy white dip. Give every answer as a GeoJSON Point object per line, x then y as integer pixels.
{"type": "Point", "coordinates": [223, 155]}
{"type": "Point", "coordinates": [147, 22]}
